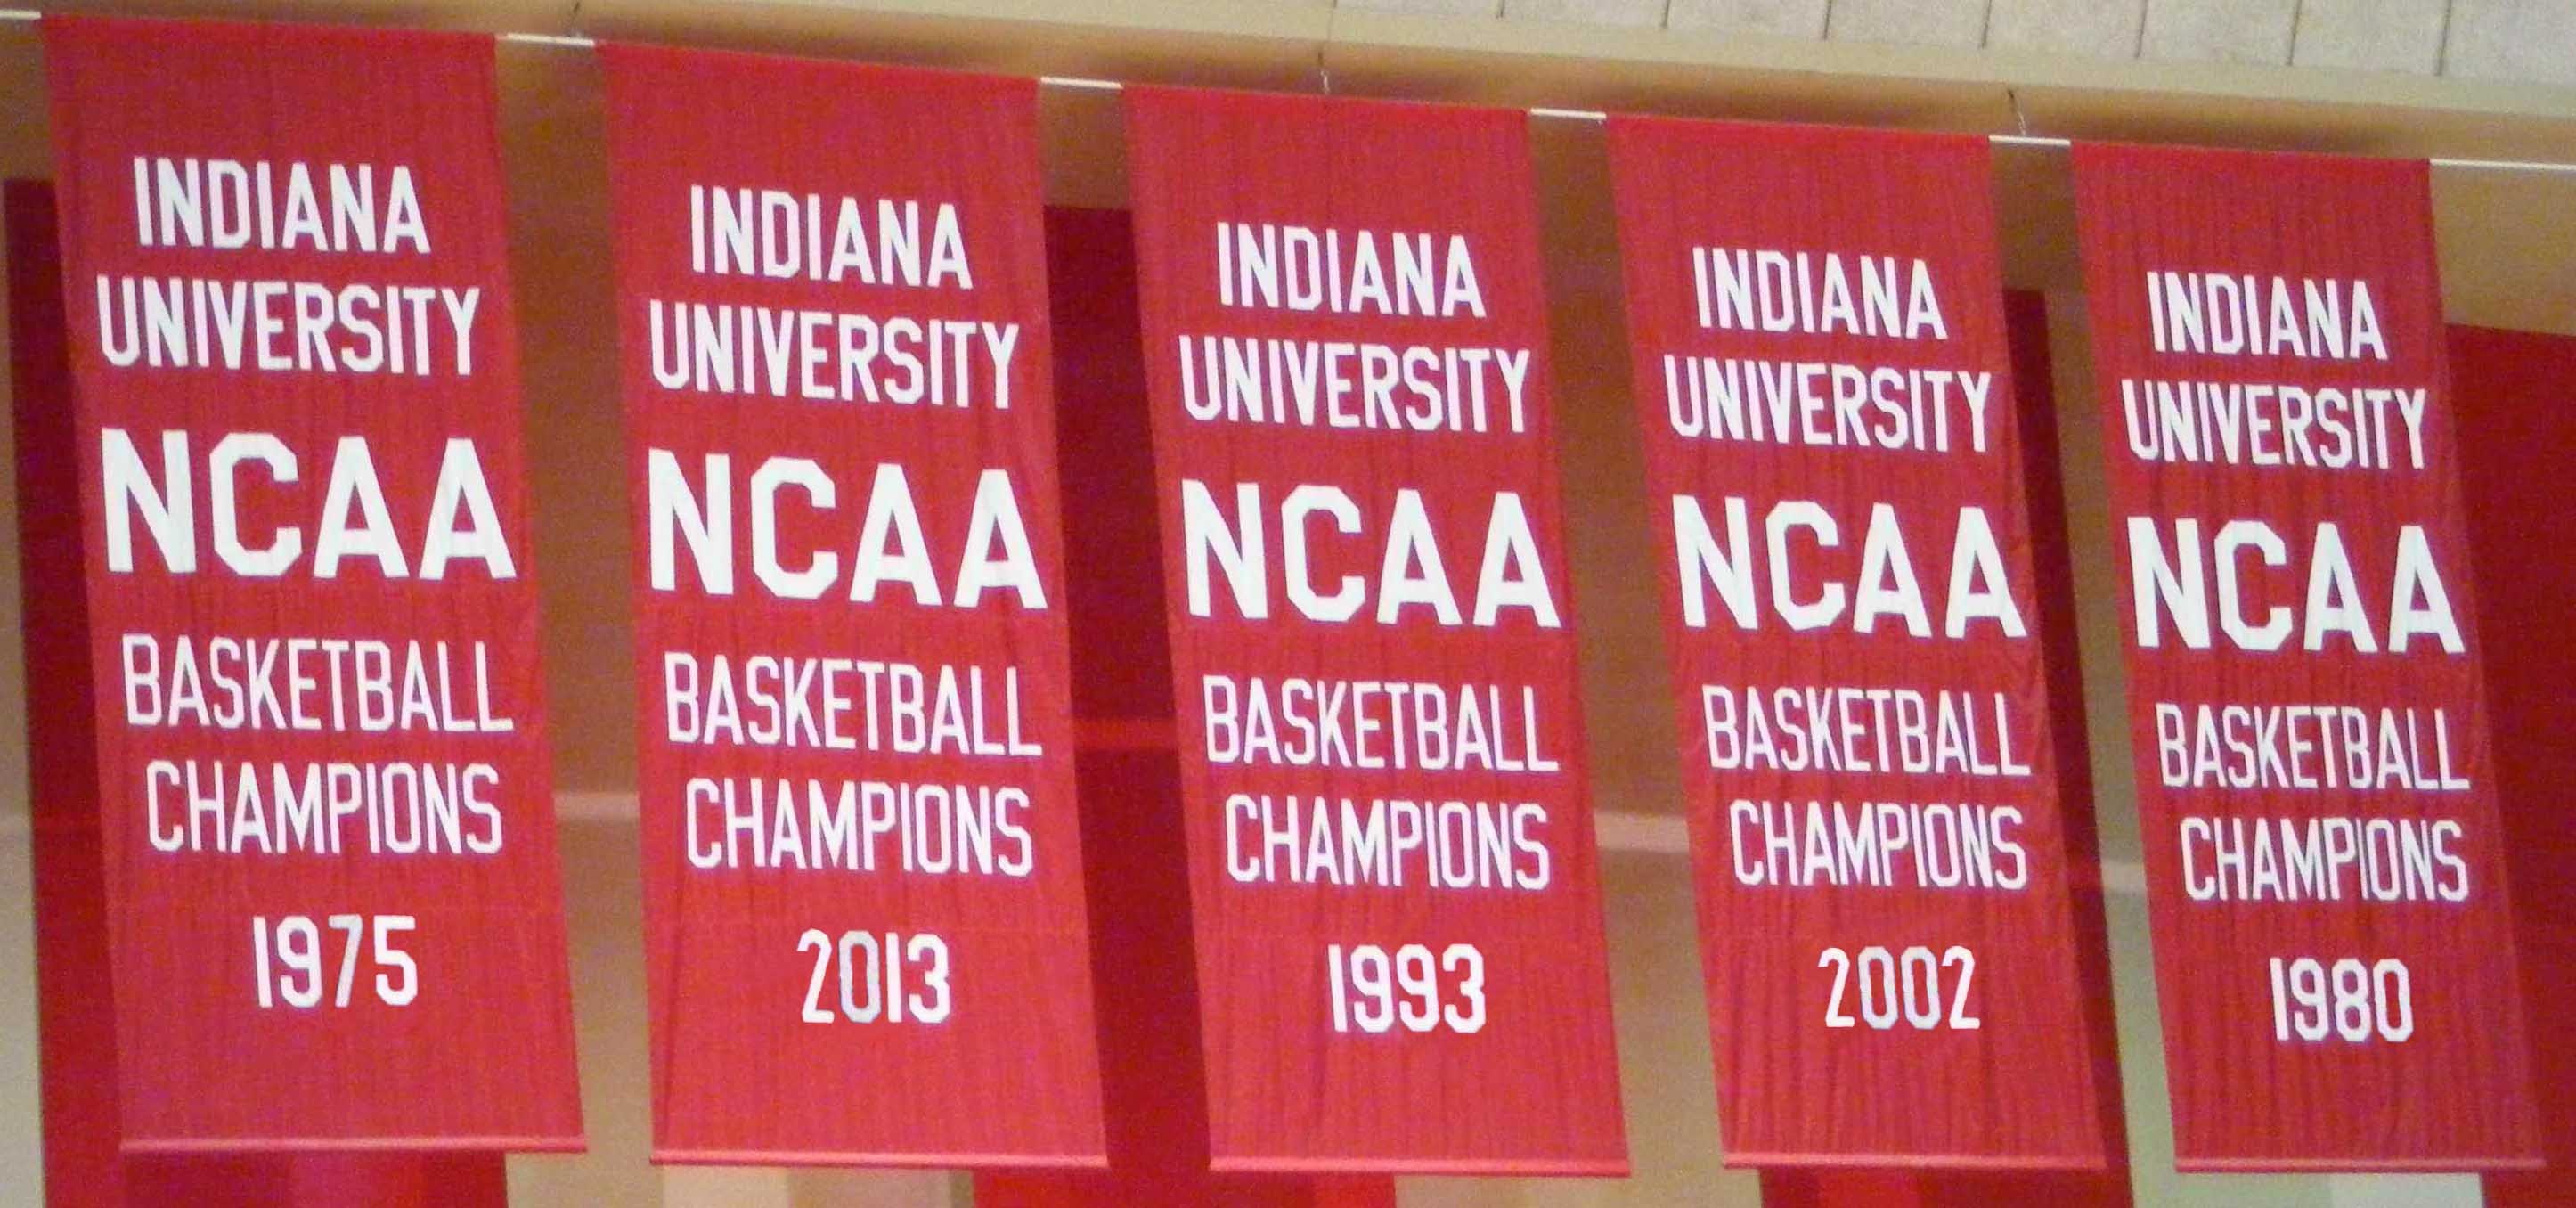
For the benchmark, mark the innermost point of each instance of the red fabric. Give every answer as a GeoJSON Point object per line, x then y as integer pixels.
{"type": "Point", "coordinates": [2454, 1093]}
{"type": "Point", "coordinates": [2515, 429]}
{"type": "Point", "coordinates": [1995, 1064]}
{"type": "Point", "coordinates": [1531, 1087]}
{"type": "Point", "coordinates": [1138, 878]}
{"type": "Point", "coordinates": [319, 1180]}
{"type": "Point", "coordinates": [2053, 568]}
{"type": "Point", "coordinates": [481, 1057]}
{"type": "Point", "coordinates": [76, 1027]}
{"type": "Point", "coordinates": [1791, 1187]}
{"type": "Point", "coordinates": [1137, 881]}
{"type": "Point", "coordinates": [743, 1069]}
{"type": "Point", "coordinates": [993, 1190]}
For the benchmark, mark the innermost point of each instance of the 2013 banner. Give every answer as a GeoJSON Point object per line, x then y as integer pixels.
{"type": "Point", "coordinates": [864, 897]}
{"type": "Point", "coordinates": [1395, 895]}
{"type": "Point", "coordinates": [334, 912]}
{"type": "Point", "coordinates": [2333, 944]}
{"type": "Point", "coordinates": [1834, 463]}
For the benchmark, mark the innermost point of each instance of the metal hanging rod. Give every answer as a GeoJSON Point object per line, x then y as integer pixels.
{"type": "Point", "coordinates": [1088, 84]}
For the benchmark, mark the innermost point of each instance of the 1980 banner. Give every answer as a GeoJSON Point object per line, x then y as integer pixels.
{"type": "Point", "coordinates": [2324, 867]}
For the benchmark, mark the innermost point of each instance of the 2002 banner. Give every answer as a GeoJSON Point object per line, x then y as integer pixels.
{"type": "Point", "coordinates": [1835, 455]}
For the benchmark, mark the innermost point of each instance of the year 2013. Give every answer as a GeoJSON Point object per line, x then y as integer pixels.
{"type": "Point", "coordinates": [876, 977]}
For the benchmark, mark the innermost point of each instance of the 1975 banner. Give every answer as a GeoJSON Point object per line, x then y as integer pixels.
{"type": "Point", "coordinates": [1395, 894]}
{"type": "Point", "coordinates": [864, 894]}
{"type": "Point", "coordinates": [333, 907]}
{"type": "Point", "coordinates": [1835, 468]}
{"type": "Point", "coordinates": [2334, 951]}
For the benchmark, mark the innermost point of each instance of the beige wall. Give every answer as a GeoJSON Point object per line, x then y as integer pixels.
{"type": "Point", "coordinates": [21, 1162]}
{"type": "Point", "coordinates": [2490, 39]}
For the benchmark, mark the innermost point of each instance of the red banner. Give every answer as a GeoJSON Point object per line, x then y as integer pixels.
{"type": "Point", "coordinates": [334, 913]}
{"type": "Point", "coordinates": [1835, 468]}
{"type": "Point", "coordinates": [863, 876]}
{"type": "Point", "coordinates": [1395, 894]}
{"type": "Point", "coordinates": [2334, 949]}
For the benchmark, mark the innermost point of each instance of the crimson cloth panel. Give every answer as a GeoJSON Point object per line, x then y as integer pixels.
{"type": "Point", "coordinates": [2325, 877]}
{"type": "Point", "coordinates": [1392, 875]}
{"type": "Point", "coordinates": [75, 1020]}
{"type": "Point", "coordinates": [1865, 1187]}
{"type": "Point", "coordinates": [333, 910]}
{"type": "Point", "coordinates": [864, 889]}
{"type": "Point", "coordinates": [2515, 429]}
{"type": "Point", "coordinates": [1835, 469]}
